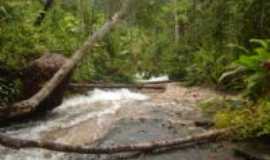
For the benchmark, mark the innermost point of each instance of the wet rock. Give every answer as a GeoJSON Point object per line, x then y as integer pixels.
{"type": "Point", "coordinates": [38, 73]}
{"type": "Point", "coordinates": [254, 150]}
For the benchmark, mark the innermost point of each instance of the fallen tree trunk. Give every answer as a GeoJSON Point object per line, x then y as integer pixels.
{"type": "Point", "coordinates": [157, 82]}
{"type": "Point", "coordinates": [28, 106]}
{"type": "Point", "coordinates": [38, 72]}
{"type": "Point", "coordinates": [209, 136]}
{"type": "Point", "coordinates": [115, 86]}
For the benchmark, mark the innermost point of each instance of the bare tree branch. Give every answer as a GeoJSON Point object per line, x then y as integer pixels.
{"type": "Point", "coordinates": [209, 136]}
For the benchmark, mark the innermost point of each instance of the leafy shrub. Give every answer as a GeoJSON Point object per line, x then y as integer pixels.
{"type": "Point", "coordinates": [206, 67]}
{"type": "Point", "coordinates": [253, 120]}
{"type": "Point", "coordinates": [8, 91]}
{"type": "Point", "coordinates": [113, 60]}
{"type": "Point", "coordinates": [21, 41]}
{"type": "Point", "coordinates": [257, 73]}
{"type": "Point", "coordinates": [175, 60]}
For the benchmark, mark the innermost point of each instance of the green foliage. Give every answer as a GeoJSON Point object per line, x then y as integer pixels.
{"type": "Point", "coordinates": [21, 41]}
{"type": "Point", "coordinates": [111, 59]}
{"type": "Point", "coordinates": [256, 22]}
{"type": "Point", "coordinates": [257, 74]}
{"type": "Point", "coordinates": [205, 29]}
{"type": "Point", "coordinates": [253, 120]}
{"type": "Point", "coordinates": [185, 39]}
{"type": "Point", "coordinates": [8, 91]}
{"type": "Point", "coordinates": [175, 61]}
{"type": "Point", "coordinates": [207, 67]}
{"type": "Point", "coordinates": [254, 61]}
{"type": "Point", "coordinates": [57, 33]}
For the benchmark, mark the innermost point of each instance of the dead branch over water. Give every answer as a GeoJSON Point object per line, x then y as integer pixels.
{"type": "Point", "coordinates": [209, 136]}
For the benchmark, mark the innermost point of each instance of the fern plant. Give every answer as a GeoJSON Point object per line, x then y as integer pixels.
{"type": "Point", "coordinates": [207, 67]}
{"type": "Point", "coordinates": [256, 63]}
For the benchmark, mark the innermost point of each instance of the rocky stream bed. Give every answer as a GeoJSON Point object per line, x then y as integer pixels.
{"type": "Point", "coordinates": [103, 118]}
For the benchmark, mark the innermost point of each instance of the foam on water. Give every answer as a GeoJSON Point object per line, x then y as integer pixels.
{"type": "Point", "coordinates": [79, 109]}
{"type": "Point", "coordinates": [100, 96]}
{"type": "Point", "coordinates": [116, 97]}
{"type": "Point", "coordinates": [156, 79]}
{"type": "Point", "coordinates": [152, 79]}
{"type": "Point", "coordinates": [98, 105]}
{"type": "Point", "coordinates": [109, 111]}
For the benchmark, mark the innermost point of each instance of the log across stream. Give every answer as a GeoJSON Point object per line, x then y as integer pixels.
{"type": "Point", "coordinates": [103, 118]}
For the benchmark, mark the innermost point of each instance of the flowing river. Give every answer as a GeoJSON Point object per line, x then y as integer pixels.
{"type": "Point", "coordinates": [106, 117]}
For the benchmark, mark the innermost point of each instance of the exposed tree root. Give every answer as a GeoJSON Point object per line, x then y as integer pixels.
{"type": "Point", "coordinates": [209, 136]}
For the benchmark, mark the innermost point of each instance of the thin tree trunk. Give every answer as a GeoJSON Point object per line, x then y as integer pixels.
{"type": "Point", "coordinates": [28, 106]}
{"type": "Point", "coordinates": [209, 136]}
{"type": "Point", "coordinates": [176, 21]}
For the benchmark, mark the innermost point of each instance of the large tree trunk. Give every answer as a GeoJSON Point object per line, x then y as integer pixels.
{"type": "Point", "coordinates": [28, 106]}
{"type": "Point", "coordinates": [209, 136]}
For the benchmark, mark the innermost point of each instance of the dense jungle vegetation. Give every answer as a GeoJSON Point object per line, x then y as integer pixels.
{"type": "Point", "coordinates": [219, 43]}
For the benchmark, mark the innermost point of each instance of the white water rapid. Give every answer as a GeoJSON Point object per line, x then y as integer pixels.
{"type": "Point", "coordinates": [97, 106]}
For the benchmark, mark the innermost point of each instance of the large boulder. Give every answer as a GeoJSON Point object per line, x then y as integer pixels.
{"type": "Point", "coordinates": [38, 73]}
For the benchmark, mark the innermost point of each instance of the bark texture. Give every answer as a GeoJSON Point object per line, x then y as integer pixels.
{"type": "Point", "coordinates": [209, 136]}
{"type": "Point", "coordinates": [38, 73]}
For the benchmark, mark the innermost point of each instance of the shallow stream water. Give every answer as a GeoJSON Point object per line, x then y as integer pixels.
{"type": "Point", "coordinates": [102, 118]}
